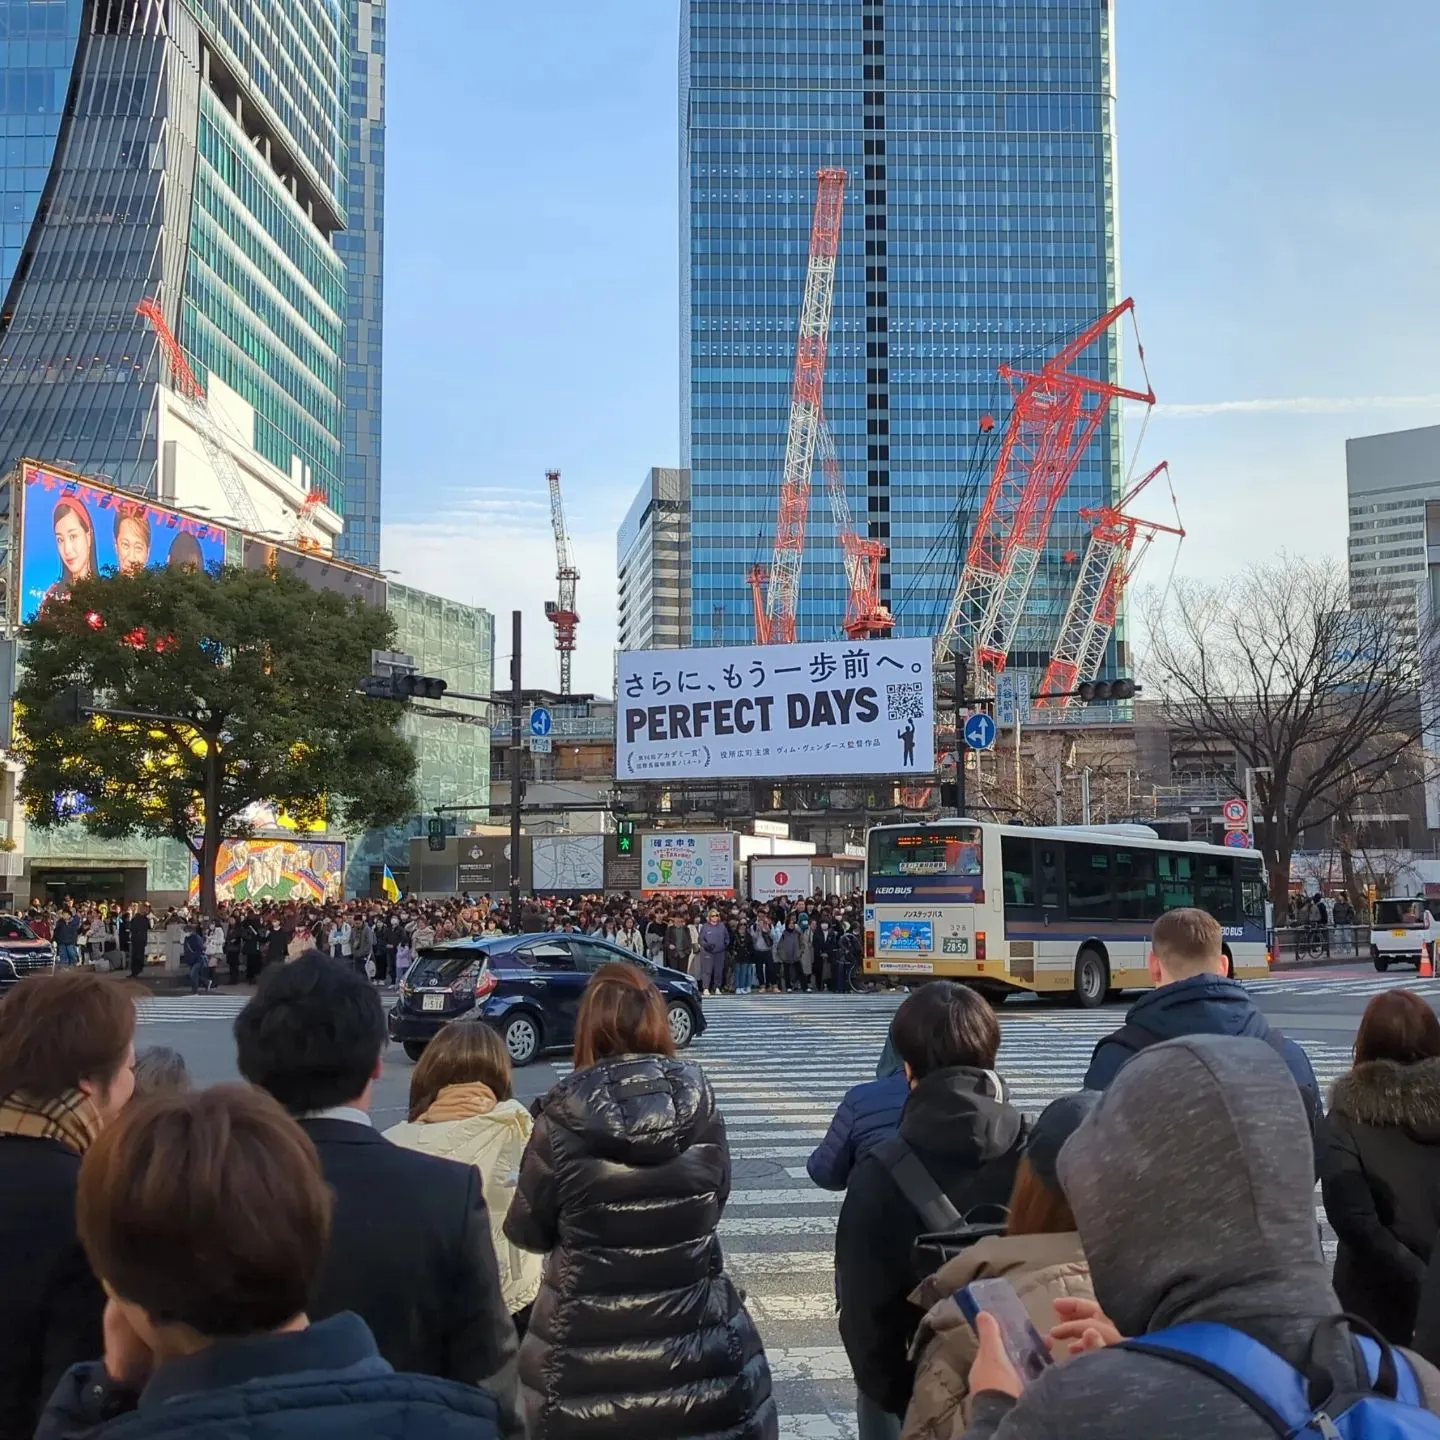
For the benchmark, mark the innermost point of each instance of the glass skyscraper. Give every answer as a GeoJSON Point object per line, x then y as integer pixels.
{"type": "Point", "coordinates": [979, 229]}
{"type": "Point", "coordinates": [194, 150]}
{"type": "Point", "coordinates": [362, 247]}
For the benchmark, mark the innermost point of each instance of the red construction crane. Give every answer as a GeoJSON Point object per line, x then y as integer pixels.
{"type": "Point", "coordinates": [192, 395]}
{"type": "Point", "coordinates": [866, 615]}
{"type": "Point", "coordinates": [1117, 543]}
{"type": "Point", "coordinates": [775, 589]}
{"type": "Point", "coordinates": [561, 612]}
{"type": "Point", "coordinates": [304, 534]}
{"type": "Point", "coordinates": [1055, 416]}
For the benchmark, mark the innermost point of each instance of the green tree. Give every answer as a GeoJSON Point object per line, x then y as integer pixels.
{"type": "Point", "coordinates": [252, 679]}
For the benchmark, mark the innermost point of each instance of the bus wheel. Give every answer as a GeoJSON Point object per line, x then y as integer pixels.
{"type": "Point", "coordinates": [1092, 979]}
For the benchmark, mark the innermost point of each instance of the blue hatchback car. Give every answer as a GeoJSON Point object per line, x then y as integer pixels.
{"type": "Point", "coordinates": [528, 987]}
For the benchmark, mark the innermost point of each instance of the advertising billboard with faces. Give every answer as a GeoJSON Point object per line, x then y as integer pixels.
{"type": "Point", "coordinates": [75, 529]}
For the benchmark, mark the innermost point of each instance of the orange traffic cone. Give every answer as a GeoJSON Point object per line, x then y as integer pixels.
{"type": "Point", "coordinates": [1427, 962]}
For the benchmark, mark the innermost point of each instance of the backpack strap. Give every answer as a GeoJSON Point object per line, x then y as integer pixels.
{"type": "Point", "coordinates": [1407, 1384]}
{"type": "Point", "coordinates": [918, 1185]}
{"type": "Point", "coordinates": [1250, 1371]}
{"type": "Point", "coordinates": [1132, 1037]}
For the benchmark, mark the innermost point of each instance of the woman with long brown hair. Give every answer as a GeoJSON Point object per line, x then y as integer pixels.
{"type": "Point", "coordinates": [1379, 1151]}
{"type": "Point", "coordinates": [621, 1187]}
{"type": "Point", "coordinates": [1039, 1254]}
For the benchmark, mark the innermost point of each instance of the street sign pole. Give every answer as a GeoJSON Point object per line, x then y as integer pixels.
{"type": "Point", "coordinates": [962, 683]}
{"type": "Point", "coordinates": [517, 768]}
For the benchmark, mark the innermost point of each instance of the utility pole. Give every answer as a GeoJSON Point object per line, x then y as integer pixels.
{"type": "Point", "coordinates": [517, 766]}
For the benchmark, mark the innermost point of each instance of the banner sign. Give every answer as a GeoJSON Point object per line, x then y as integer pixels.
{"type": "Point", "coordinates": [845, 707]}
{"type": "Point", "coordinates": [288, 871]}
{"type": "Point", "coordinates": [781, 877]}
{"type": "Point", "coordinates": [74, 530]}
{"type": "Point", "coordinates": [673, 864]}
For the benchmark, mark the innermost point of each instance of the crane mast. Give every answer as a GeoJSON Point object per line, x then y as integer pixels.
{"type": "Point", "coordinates": [1117, 543]}
{"type": "Point", "coordinates": [192, 396]}
{"type": "Point", "coordinates": [560, 612]}
{"type": "Point", "coordinates": [1056, 415]}
{"type": "Point", "coordinates": [866, 616]}
{"type": "Point", "coordinates": [776, 590]}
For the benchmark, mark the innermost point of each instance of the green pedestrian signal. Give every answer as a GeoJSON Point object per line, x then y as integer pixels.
{"type": "Point", "coordinates": [624, 837]}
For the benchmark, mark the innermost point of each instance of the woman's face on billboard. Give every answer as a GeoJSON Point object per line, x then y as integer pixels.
{"type": "Point", "coordinates": [72, 540]}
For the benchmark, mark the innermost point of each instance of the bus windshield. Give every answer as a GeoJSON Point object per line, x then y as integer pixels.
{"type": "Point", "coordinates": [950, 851]}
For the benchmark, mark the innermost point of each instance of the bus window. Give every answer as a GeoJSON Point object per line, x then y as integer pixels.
{"type": "Point", "coordinates": [1017, 860]}
{"type": "Point", "coordinates": [1137, 897]}
{"type": "Point", "coordinates": [1252, 891]}
{"type": "Point", "coordinates": [1052, 875]}
{"type": "Point", "coordinates": [926, 850]}
{"type": "Point", "coordinates": [1087, 883]}
{"type": "Point", "coordinates": [1176, 875]}
{"type": "Point", "coordinates": [1215, 888]}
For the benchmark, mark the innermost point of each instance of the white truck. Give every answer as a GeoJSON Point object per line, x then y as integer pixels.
{"type": "Point", "coordinates": [1400, 931]}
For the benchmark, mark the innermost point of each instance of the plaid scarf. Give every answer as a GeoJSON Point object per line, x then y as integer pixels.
{"type": "Point", "coordinates": [70, 1118]}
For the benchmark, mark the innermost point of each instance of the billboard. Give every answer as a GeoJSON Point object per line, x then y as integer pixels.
{"type": "Point", "coordinates": [846, 707]}
{"type": "Point", "coordinates": [319, 572]}
{"type": "Point", "coordinates": [567, 862]}
{"type": "Point", "coordinates": [280, 870]}
{"type": "Point", "coordinates": [74, 530]}
{"type": "Point", "coordinates": [675, 864]}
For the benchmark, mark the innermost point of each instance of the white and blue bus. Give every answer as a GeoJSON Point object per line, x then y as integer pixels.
{"type": "Point", "coordinates": [1049, 909]}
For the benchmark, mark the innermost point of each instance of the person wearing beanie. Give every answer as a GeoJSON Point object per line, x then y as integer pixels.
{"type": "Point", "coordinates": [1039, 1254]}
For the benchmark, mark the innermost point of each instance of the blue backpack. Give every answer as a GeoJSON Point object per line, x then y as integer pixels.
{"type": "Point", "coordinates": [1394, 1408]}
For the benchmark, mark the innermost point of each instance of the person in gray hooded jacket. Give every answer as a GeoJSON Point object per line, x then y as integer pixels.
{"type": "Point", "coordinates": [1192, 1185]}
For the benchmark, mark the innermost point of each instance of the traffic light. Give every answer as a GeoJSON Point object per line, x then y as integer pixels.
{"type": "Point", "coordinates": [404, 687]}
{"type": "Point", "coordinates": [1097, 692]}
{"type": "Point", "coordinates": [72, 706]}
{"type": "Point", "coordinates": [624, 837]}
{"type": "Point", "coordinates": [436, 832]}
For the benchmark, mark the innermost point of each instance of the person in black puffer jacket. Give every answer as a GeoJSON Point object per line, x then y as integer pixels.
{"type": "Point", "coordinates": [1380, 1163]}
{"type": "Point", "coordinates": [637, 1329]}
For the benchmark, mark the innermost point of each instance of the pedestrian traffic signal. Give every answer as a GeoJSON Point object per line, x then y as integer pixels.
{"type": "Point", "coordinates": [624, 837]}
{"type": "Point", "coordinates": [73, 706]}
{"type": "Point", "coordinates": [1098, 692]}
{"type": "Point", "coordinates": [404, 687]}
{"type": "Point", "coordinates": [436, 834]}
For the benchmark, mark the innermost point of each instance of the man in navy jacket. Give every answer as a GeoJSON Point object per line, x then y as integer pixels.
{"type": "Point", "coordinates": [869, 1113]}
{"type": "Point", "coordinates": [1194, 997]}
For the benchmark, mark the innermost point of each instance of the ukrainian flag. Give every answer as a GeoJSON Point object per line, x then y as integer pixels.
{"type": "Point", "coordinates": [388, 885]}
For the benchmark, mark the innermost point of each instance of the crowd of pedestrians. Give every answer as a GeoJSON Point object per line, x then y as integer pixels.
{"type": "Point", "coordinates": [226, 1262]}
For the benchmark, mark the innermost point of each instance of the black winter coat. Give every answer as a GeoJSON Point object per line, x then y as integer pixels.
{"type": "Point", "coordinates": [637, 1330]}
{"type": "Point", "coordinates": [970, 1142]}
{"type": "Point", "coordinates": [1380, 1176]}
{"type": "Point", "coordinates": [50, 1303]}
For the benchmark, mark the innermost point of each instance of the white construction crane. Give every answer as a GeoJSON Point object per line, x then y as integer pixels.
{"type": "Point", "coordinates": [561, 612]}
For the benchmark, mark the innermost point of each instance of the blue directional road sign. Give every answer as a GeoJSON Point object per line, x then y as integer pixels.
{"type": "Point", "coordinates": [980, 731]}
{"type": "Point", "coordinates": [541, 721]}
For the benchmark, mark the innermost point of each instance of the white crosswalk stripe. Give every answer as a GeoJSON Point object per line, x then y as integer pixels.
{"type": "Point", "coordinates": [186, 1009]}
{"type": "Point", "coordinates": [780, 1066]}
{"type": "Point", "coordinates": [1346, 984]}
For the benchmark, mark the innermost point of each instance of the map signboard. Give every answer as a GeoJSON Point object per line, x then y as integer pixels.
{"type": "Point", "coordinates": [573, 863]}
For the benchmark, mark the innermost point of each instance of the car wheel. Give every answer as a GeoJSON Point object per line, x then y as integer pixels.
{"type": "Point", "coordinates": [522, 1038]}
{"type": "Point", "coordinates": [1378, 960]}
{"type": "Point", "coordinates": [1092, 979]}
{"type": "Point", "coordinates": [414, 1049]}
{"type": "Point", "coordinates": [682, 1024]}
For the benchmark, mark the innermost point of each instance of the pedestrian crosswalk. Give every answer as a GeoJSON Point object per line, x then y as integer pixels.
{"type": "Point", "coordinates": [779, 1066]}
{"type": "Point", "coordinates": [1346, 984]}
{"type": "Point", "coordinates": [187, 1009]}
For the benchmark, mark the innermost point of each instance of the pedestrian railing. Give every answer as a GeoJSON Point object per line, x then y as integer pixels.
{"type": "Point", "coordinates": [1294, 943]}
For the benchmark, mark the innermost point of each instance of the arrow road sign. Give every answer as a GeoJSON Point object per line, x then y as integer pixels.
{"type": "Point", "coordinates": [980, 731]}
{"type": "Point", "coordinates": [541, 722]}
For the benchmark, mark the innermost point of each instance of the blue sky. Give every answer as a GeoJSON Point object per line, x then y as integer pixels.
{"type": "Point", "coordinates": [1279, 215]}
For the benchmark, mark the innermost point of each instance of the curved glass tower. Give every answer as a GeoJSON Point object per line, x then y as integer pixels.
{"type": "Point", "coordinates": [194, 150]}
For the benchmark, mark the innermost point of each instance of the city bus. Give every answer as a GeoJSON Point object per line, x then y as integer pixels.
{"type": "Point", "coordinates": [1056, 910]}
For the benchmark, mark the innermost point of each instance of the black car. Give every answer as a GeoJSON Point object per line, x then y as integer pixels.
{"type": "Point", "coordinates": [22, 952]}
{"type": "Point", "coordinates": [528, 987]}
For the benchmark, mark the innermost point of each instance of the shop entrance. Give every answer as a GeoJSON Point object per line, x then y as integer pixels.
{"type": "Point", "coordinates": [53, 886]}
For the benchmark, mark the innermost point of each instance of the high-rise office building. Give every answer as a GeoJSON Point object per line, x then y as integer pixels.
{"type": "Point", "coordinates": [652, 563]}
{"type": "Point", "coordinates": [190, 150]}
{"type": "Point", "coordinates": [979, 229]}
{"type": "Point", "coordinates": [1392, 483]}
{"type": "Point", "coordinates": [362, 247]}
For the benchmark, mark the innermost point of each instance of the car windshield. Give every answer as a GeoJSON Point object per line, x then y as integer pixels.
{"type": "Point", "coordinates": [1400, 912]}
{"type": "Point", "coordinates": [13, 929]}
{"type": "Point", "coordinates": [446, 963]}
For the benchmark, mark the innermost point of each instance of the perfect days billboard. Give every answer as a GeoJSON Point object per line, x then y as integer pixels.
{"type": "Point", "coordinates": [75, 530]}
{"type": "Point", "coordinates": [844, 707]}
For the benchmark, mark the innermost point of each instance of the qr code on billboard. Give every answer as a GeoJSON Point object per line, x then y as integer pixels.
{"type": "Point", "coordinates": [905, 702]}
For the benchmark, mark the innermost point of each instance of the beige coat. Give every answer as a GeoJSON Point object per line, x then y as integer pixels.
{"type": "Point", "coordinates": [493, 1142]}
{"type": "Point", "coordinates": [1042, 1268]}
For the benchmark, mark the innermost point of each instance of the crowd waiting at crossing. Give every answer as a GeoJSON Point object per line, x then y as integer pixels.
{"type": "Point", "coordinates": [1141, 1259]}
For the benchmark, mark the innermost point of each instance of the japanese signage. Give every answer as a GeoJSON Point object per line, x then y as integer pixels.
{"type": "Point", "coordinates": [687, 864]}
{"type": "Point", "coordinates": [75, 531]}
{"type": "Point", "coordinates": [832, 708]}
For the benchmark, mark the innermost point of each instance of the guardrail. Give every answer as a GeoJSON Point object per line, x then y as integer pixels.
{"type": "Point", "coordinates": [1294, 944]}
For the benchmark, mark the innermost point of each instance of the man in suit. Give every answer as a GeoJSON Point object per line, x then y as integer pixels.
{"type": "Point", "coordinates": [429, 1289]}
{"type": "Point", "coordinates": [139, 940]}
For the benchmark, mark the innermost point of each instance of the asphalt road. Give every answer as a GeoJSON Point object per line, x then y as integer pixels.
{"type": "Point", "coordinates": [779, 1065]}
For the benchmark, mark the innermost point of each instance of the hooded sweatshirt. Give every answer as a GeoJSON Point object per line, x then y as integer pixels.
{"type": "Point", "coordinates": [1193, 1189]}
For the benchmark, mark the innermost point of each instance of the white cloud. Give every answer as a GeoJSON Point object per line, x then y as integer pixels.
{"type": "Point", "coordinates": [1297, 405]}
{"type": "Point", "coordinates": [493, 547]}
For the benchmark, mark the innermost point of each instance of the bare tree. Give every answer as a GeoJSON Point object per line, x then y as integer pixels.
{"type": "Point", "coordinates": [1319, 699]}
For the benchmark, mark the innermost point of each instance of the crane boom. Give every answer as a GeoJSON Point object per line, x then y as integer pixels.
{"type": "Point", "coordinates": [1056, 415]}
{"type": "Point", "coordinates": [866, 616]}
{"type": "Point", "coordinates": [775, 621]}
{"type": "Point", "coordinates": [192, 395]}
{"type": "Point", "coordinates": [561, 612]}
{"type": "Point", "coordinates": [1117, 543]}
